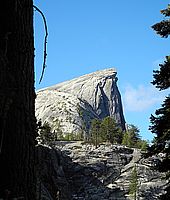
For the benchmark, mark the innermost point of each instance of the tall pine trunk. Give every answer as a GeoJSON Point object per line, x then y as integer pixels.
{"type": "Point", "coordinates": [17, 96]}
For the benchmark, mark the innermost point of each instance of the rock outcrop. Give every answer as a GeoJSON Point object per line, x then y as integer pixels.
{"type": "Point", "coordinates": [51, 181]}
{"type": "Point", "coordinates": [73, 104]}
{"type": "Point", "coordinates": [80, 171]}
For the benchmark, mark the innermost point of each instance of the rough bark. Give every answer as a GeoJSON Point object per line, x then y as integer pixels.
{"type": "Point", "coordinates": [17, 120]}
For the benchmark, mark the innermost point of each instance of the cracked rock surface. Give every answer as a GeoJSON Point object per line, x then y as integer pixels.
{"type": "Point", "coordinates": [73, 170]}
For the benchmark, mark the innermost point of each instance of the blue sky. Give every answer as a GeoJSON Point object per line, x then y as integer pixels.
{"type": "Point", "coordinates": [89, 35]}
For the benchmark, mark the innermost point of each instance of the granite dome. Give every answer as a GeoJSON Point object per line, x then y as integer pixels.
{"type": "Point", "coordinates": [76, 102]}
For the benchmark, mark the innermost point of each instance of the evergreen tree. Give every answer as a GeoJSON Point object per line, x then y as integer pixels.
{"type": "Point", "coordinates": [133, 187]}
{"type": "Point", "coordinates": [143, 145]}
{"type": "Point", "coordinates": [162, 76]}
{"type": "Point", "coordinates": [57, 129]}
{"type": "Point", "coordinates": [94, 131]}
{"type": "Point", "coordinates": [163, 28]}
{"type": "Point", "coordinates": [161, 127]}
{"type": "Point", "coordinates": [161, 122]}
{"type": "Point", "coordinates": [46, 135]}
{"type": "Point", "coordinates": [131, 138]}
{"type": "Point", "coordinates": [126, 139]}
{"type": "Point", "coordinates": [110, 131]}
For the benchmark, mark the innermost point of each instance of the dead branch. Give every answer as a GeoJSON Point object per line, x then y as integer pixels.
{"type": "Point", "coordinates": [45, 42]}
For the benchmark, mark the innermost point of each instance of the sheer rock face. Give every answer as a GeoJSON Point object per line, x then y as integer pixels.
{"type": "Point", "coordinates": [76, 102]}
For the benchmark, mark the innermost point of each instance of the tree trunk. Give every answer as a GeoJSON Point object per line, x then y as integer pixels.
{"type": "Point", "coordinates": [17, 96]}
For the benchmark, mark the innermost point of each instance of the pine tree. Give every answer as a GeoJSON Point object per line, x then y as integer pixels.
{"type": "Point", "coordinates": [161, 127]}
{"type": "Point", "coordinates": [56, 127]}
{"type": "Point", "coordinates": [110, 130]}
{"type": "Point", "coordinates": [126, 139]}
{"type": "Point", "coordinates": [163, 28]}
{"type": "Point", "coordinates": [161, 122]}
{"type": "Point", "coordinates": [131, 138]}
{"type": "Point", "coordinates": [45, 133]}
{"type": "Point", "coordinates": [133, 187]}
{"type": "Point", "coordinates": [94, 131]}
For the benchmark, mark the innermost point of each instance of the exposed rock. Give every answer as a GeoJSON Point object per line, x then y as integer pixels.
{"type": "Point", "coordinates": [112, 166]}
{"type": "Point", "coordinates": [82, 172]}
{"type": "Point", "coordinates": [51, 181]}
{"type": "Point", "coordinates": [72, 170]}
{"type": "Point", "coordinates": [76, 102]}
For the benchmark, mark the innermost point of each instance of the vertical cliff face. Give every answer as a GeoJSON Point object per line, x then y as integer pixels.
{"type": "Point", "coordinates": [94, 95]}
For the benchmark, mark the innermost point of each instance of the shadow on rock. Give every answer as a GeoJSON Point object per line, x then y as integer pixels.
{"type": "Point", "coordinates": [59, 178]}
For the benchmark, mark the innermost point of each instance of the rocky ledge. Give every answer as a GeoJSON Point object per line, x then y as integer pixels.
{"type": "Point", "coordinates": [75, 171]}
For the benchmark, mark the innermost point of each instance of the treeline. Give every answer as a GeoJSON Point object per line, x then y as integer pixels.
{"type": "Point", "coordinates": [101, 131]}
{"type": "Point", "coordinates": [107, 130]}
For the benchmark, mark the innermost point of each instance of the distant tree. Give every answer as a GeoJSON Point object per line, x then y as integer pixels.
{"type": "Point", "coordinates": [46, 135]}
{"type": "Point", "coordinates": [126, 139]}
{"type": "Point", "coordinates": [131, 138]}
{"type": "Point", "coordinates": [94, 131]}
{"type": "Point", "coordinates": [110, 130]}
{"type": "Point", "coordinates": [134, 133]}
{"type": "Point", "coordinates": [56, 127]}
{"type": "Point", "coordinates": [80, 135]}
{"type": "Point", "coordinates": [66, 137]}
{"type": "Point", "coordinates": [83, 133]}
{"type": "Point", "coordinates": [133, 186]}
{"type": "Point", "coordinates": [143, 145]}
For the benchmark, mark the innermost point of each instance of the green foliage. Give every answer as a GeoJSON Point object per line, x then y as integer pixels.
{"type": "Point", "coordinates": [126, 139]}
{"type": "Point", "coordinates": [131, 138]}
{"type": "Point", "coordinates": [58, 131]}
{"type": "Point", "coordinates": [160, 124]}
{"type": "Point", "coordinates": [163, 28]}
{"type": "Point", "coordinates": [166, 11]}
{"type": "Point", "coordinates": [162, 76]}
{"type": "Point", "coordinates": [134, 134]}
{"type": "Point", "coordinates": [69, 137]}
{"type": "Point", "coordinates": [73, 136]}
{"type": "Point", "coordinates": [80, 135]}
{"type": "Point", "coordinates": [110, 131]}
{"type": "Point", "coordinates": [133, 186]}
{"type": "Point", "coordinates": [95, 132]}
{"type": "Point", "coordinates": [46, 136]}
{"type": "Point", "coordinates": [105, 130]}
{"type": "Point", "coordinates": [161, 127]}
{"type": "Point", "coordinates": [143, 145]}
{"type": "Point", "coordinates": [60, 136]}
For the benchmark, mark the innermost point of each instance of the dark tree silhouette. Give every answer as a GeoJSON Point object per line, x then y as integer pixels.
{"type": "Point", "coordinates": [161, 122]}
{"type": "Point", "coordinates": [17, 96]}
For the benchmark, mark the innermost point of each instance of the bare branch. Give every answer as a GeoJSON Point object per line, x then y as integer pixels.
{"type": "Point", "coordinates": [45, 42]}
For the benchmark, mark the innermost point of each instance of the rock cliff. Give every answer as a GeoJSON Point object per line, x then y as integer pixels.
{"type": "Point", "coordinates": [73, 170]}
{"type": "Point", "coordinates": [76, 102]}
